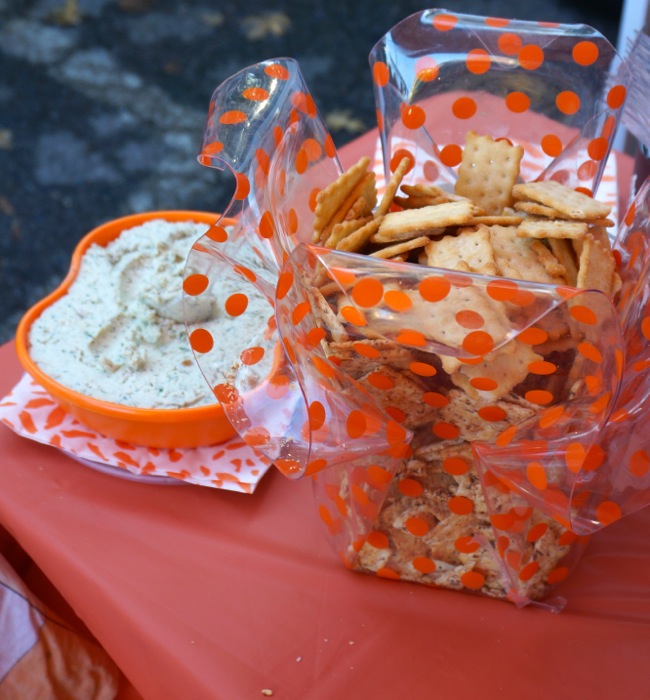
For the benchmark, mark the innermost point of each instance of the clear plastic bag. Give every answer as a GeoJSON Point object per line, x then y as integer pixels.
{"type": "Point", "coordinates": [480, 458]}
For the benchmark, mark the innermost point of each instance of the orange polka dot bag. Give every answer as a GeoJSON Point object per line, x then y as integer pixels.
{"type": "Point", "coordinates": [462, 429]}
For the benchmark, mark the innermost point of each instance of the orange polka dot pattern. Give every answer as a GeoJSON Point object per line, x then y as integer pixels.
{"type": "Point", "coordinates": [306, 409]}
{"type": "Point", "coordinates": [529, 70]}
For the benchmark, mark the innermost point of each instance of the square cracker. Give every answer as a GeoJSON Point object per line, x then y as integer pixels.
{"type": "Point", "coordinates": [426, 218]}
{"type": "Point", "coordinates": [488, 172]}
{"type": "Point", "coordinates": [575, 205]}
{"type": "Point", "coordinates": [471, 246]}
{"type": "Point", "coordinates": [519, 258]}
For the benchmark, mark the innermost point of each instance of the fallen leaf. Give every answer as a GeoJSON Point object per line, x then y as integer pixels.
{"type": "Point", "coordinates": [213, 19]}
{"type": "Point", "coordinates": [6, 139]}
{"type": "Point", "coordinates": [67, 16]}
{"type": "Point", "coordinates": [258, 27]}
{"type": "Point", "coordinates": [343, 120]}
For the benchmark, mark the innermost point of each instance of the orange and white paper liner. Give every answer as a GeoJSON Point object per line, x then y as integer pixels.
{"type": "Point", "coordinates": [32, 413]}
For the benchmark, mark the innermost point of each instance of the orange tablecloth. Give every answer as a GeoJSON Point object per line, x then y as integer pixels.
{"type": "Point", "coordinates": [205, 594]}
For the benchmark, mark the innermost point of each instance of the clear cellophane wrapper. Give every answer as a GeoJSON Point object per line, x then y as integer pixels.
{"type": "Point", "coordinates": [461, 430]}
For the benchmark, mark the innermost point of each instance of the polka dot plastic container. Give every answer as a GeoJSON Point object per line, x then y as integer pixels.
{"type": "Point", "coordinates": [498, 505]}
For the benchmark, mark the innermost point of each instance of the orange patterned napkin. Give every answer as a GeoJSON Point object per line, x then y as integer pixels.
{"type": "Point", "coordinates": [32, 413]}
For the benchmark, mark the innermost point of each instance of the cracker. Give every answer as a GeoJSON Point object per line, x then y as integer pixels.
{"type": "Point", "coordinates": [399, 248]}
{"type": "Point", "coordinates": [472, 247]}
{"type": "Point", "coordinates": [392, 186]}
{"type": "Point", "coordinates": [538, 209]}
{"type": "Point", "coordinates": [359, 202]}
{"type": "Point", "coordinates": [343, 229]}
{"type": "Point", "coordinates": [555, 324]}
{"type": "Point", "coordinates": [606, 223]}
{"type": "Point", "coordinates": [600, 234]}
{"type": "Point", "coordinates": [330, 198]}
{"type": "Point", "coordinates": [596, 267]}
{"type": "Point", "coordinates": [419, 193]}
{"type": "Point", "coordinates": [358, 238]}
{"type": "Point", "coordinates": [381, 237]}
{"type": "Point", "coordinates": [516, 258]}
{"type": "Point", "coordinates": [399, 391]}
{"type": "Point", "coordinates": [575, 205]}
{"type": "Point", "coordinates": [550, 263]}
{"type": "Point", "coordinates": [426, 218]}
{"type": "Point", "coordinates": [417, 202]}
{"type": "Point", "coordinates": [323, 311]}
{"type": "Point", "coordinates": [360, 207]}
{"type": "Point", "coordinates": [537, 227]}
{"type": "Point", "coordinates": [488, 171]}
{"type": "Point", "coordinates": [359, 357]}
{"type": "Point", "coordinates": [463, 412]}
{"type": "Point", "coordinates": [439, 321]}
{"type": "Point", "coordinates": [502, 220]}
{"type": "Point", "coordinates": [542, 210]}
{"type": "Point", "coordinates": [424, 190]}
{"type": "Point", "coordinates": [332, 287]}
{"type": "Point", "coordinates": [563, 251]}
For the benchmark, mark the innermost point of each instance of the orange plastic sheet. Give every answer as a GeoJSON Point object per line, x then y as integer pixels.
{"type": "Point", "coordinates": [198, 593]}
{"type": "Point", "coordinates": [580, 462]}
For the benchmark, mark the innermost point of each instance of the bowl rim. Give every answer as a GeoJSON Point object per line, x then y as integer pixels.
{"type": "Point", "coordinates": [89, 403]}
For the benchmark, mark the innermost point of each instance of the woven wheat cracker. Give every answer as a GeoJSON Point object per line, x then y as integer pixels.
{"type": "Point", "coordinates": [396, 389]}
{"type": "Point", "coordinates": [463, 412]}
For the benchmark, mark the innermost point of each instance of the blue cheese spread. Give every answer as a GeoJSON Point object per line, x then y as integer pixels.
{"type": "Point", "coordinates": [119, 333]}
